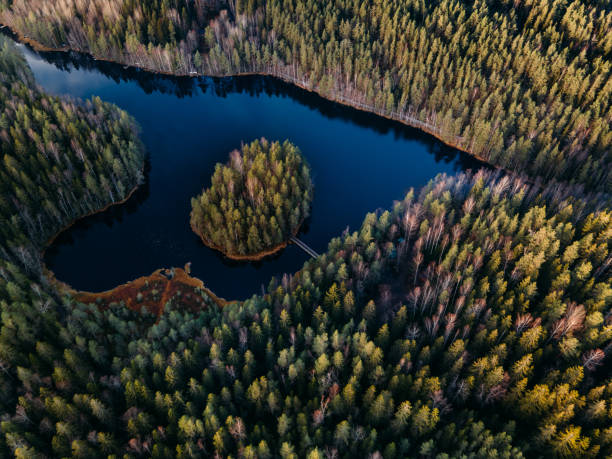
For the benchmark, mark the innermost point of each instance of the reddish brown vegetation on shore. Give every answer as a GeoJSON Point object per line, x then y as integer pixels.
{"type": "Point", "coordinates": [154, 292]}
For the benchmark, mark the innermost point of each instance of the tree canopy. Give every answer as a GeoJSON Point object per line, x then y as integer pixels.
{"type": "Point", "coordinates": [470, 319]}
{"type": "Point", "coordinates": [524, 85]}
{"type": "Point", "coordinates": [61, 159]}
{"type": "Point", "coordinates": [256, 201]}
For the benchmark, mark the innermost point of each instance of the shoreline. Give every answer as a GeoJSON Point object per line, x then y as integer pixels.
{"type": "Point", "coordinates": [174, 278]}
{"type": "Point", "coordinates": [70, 224]}
{"type": "Point", "coordinates": [48, 273]}
{"type": "Point", "coordinates": [238, 257]}
{"type": "Point", "coordinates": [91, 297]}
{"type": "Point", "coordinates": [182, 273]}
{"type": "Point", "coordinates": [39, 47]}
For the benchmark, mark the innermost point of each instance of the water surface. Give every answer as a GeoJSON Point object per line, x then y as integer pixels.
{"type": "Point", "coordinates": [360, 162]}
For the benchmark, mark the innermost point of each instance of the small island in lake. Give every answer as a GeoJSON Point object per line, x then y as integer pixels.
{"type": "Point", "coordinates": [256, 202]}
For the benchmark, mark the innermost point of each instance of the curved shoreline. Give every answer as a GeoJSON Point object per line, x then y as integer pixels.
{"type": "Point", "coordinates": [183, 276]}
{"type": "Point", "coordinates": [48, 273]}
{"type": "Point", "coordinates": [40, 47]}
{"type": "Point", "coordinates": [171, 275]}
{"type": "Point", "coordinates": [239, 257]}
{"type": "Point", "coordinates": [52, 239]}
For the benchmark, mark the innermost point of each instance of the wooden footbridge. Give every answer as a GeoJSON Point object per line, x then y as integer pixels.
{"type": "Point", "coordinates": [304, 247]}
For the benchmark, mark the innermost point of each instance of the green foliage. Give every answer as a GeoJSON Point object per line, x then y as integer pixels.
{"type": "Point", "coordinates": [61, 159]}
{"type": "Point", "coordinates": [255, 202]}
{"type": "Point", "coordinates": [524, 85]}
{"type": "Point", "coordinates": [457, 360]}
{"type": "Point", "coordinates": [472, 321]}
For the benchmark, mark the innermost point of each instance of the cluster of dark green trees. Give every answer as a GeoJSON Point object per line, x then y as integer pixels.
{"type": "Point", "coordinates": [524, 85]}
{"type": "Point", "coordinates": [61, 159]}
{"type": "Point", "coordinates": [473, 321]}
{"type": "Point", "coordinates": [257, 201]}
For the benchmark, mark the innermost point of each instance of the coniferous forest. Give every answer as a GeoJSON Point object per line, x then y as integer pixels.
{"type": "Point", "coordinates": [61, 159]}
{"type": "Point", "coordinates": [256, 202]}
{"type": "Point", "coordinates": [524, 85]}
{"type": "Point", "coordinates": [472, 318]}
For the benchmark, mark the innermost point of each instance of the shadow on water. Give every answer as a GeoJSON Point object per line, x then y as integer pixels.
{"type": "Point", "coordinates": [111, 217]}
{"type": "Point", "coordinates": [360, 161]}
{"type": "Point", "coordinates": [254, 85]}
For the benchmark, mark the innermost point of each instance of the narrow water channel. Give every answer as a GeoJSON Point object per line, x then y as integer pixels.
{"type": "Point", "coordinates": [360, 162]}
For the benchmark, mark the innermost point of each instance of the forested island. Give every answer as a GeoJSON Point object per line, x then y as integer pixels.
{"type": "Point", "coordinates": [535, 97]}
{"type": "Point", "coordinates": [256, 202]}
{"type": "Point", "coordinates": [472, 318]}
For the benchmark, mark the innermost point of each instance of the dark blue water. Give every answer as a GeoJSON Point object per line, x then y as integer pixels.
{"type": "Point", "coordinates": [360, 162]}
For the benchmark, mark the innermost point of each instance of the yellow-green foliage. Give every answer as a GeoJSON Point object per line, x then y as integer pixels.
{"type": "Point", "coordinates": [255, 202]}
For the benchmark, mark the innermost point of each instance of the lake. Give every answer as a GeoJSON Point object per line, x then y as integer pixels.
{"type": "Point", "coordinates": [360, 162]}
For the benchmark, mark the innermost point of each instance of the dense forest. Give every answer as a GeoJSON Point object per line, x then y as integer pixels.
{"type": "Point", "coordinates": [256, 202]}
{"type": "Point", "coordinates": [61, 159]}
{"type": "Point", "coordinates": [526, 86]}
{"type": "Point", "coordinates": [471, 319]}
